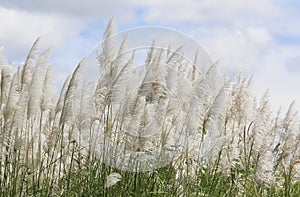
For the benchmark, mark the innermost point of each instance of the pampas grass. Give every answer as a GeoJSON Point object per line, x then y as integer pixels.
{"type": "Point", "coordinates": [64, 143]}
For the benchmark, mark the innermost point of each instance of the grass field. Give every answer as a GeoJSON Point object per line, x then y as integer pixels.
{"type": "Point", "coordinates": [54, 143]}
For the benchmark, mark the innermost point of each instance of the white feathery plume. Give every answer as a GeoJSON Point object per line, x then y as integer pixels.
{"type": "Point", "coordinates": [133, 121]}
{"type": "Point", "coordinates": [29, 65]}
{"type": "Point", "coordinates": [216, 113]}
{"type": "Point", "coordinates": [242, 102]}
{"type": "Point", "coordinates": [112, 68]}
{"type": "Point", "coordinates": [7, 73]}
{"type": "Point", "coordinates": [3, 61]}
{"type": "Point", "coordinates": [112, 179]}
{"type": "Point", "coordinates": [174, 57]}
{"type": "Point", "coordinates": [278, 132]}
{"type": "Point", "coordinates": [150, 53]}
{"type": "Point", "coordinates": [62, 95]}
{"type": "Point", "coordinates": [159, 56]}
{"type": "Point", "coordinates": [109, 48]}
{"type": "Point", "coordinates": [212, 78]}
{"type": "Point", "coordinates": [171, 79]}
{"type": "Point", "coordinates": [193, 116]}
{"type": "Point", "coordinates": [239, 113]}
{"type": "Point", "coordinates": [263, 139]}
{"type": "Point", "coordinates": [185, 91]}
{"type": "Point", "coordinates": [155, 71]}
{"type": "Point", "coordinates": [201, 91]}
{"type": "Point", "coordinates": [122, 56]}
{"type": "Point", "coordinates": [101, 96]}
{"type": "Point", "coordinates": [289, 122]}
{"type": "Point", "coordinates": [195, 73]}
{"type": "Point", "coordinates": [262, 130]}
{"type": "Point", "coordinates": [216, 108]}
{"type": "Point", "coordinates": [112, 87]}
{"type": "Point", "coordinates": [85, 109]}
{"type": "Point", "coordinates": [13, 95]}
{"type": "Point", "coordinates": [49, 90]}
{"type": "Point", "coordinates": [214, 139]}
{"type": "Point", "coordinates": [136, 107]}
{"type": "Point", "coordinates": [37, 84]}
{"type": "Point", "coordinates": [290, 126]}
{"type": "Point", "coordinates": [118, 85]}
{"type": "Point", "coordinates": [19, 117]}
{"type": "Point", "coordinates": [67, 114]}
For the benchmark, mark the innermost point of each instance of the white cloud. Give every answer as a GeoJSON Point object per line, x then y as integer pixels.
{"type": "Point", "coordinates": [259, 35]}
{"type": "Point", "coordinates": [20, 29]}
{"type": "Point", "coordinates": [237, 47]}
{"type": "Point", "coordinates": [207, 10]}
{"type": "Point", "coordinates": [255, 51]}
{"type": "Point", "coordinates": [57, 22]}
{"type": "Point", "coordinates": [78, 9]}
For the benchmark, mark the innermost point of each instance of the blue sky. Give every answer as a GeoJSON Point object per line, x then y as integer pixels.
{"type": "Point", "coordinates": [258, 37]}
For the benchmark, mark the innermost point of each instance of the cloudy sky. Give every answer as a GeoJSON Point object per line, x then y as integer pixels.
{"type": "Point", "coordinates": [258, 37]}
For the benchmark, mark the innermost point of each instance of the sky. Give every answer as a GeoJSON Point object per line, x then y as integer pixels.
{"type": "Point", "coordinates": [260, 38]}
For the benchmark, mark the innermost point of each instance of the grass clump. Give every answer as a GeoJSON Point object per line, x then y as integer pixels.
{"type": "Point", "coordinates": [76, 142]}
